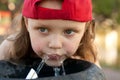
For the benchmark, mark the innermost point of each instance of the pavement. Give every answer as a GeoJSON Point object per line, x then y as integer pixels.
{"type": "Point", "coordinates": [111, 74]}
{"type": "Point", "coordinates": [1, 38]}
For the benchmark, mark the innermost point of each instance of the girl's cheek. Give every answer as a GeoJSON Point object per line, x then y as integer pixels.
{"type": "Point", "coordinates": [37, 46]}
{"type": "Point", "coordinates": [71, 49]}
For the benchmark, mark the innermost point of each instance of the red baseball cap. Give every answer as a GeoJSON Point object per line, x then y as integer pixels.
{"type": "Point", "coordinates": [76, 10]}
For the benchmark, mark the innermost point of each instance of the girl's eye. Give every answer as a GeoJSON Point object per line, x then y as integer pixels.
{"type": "Point", "coordinates": [43, 30]}
{"type": "Point", "coordinates": [69, 32]}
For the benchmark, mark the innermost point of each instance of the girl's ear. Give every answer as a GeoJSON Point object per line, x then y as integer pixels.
{"type": "Point", "coordinates": [92, 29]}
{"type": "Point", "coordinates": [26, 21]}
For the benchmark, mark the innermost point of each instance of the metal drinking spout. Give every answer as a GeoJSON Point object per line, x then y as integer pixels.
{"type": "Point", "coordinates": [34, 74]}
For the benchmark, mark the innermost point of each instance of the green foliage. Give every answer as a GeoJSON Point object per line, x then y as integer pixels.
{"type": "Point", "coordinates": [107, 9]}
{"type": "Point", "coordinates": [3, 7]}
{"type": "Point", "coordinates": [118, 18]}
{"type": "Point", "coordinates": [13, 1]}
{"type": "Point", "coordinates": [103, 7]}
{"type": "Point", "coordinates": [118, 11]}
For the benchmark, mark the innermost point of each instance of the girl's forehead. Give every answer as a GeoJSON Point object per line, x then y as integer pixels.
{"type": "Point", "coordinates": [55, 22]}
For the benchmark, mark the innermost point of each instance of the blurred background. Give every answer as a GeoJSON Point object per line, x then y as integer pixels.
{"type": "Point", "coordinates": [107, 16]}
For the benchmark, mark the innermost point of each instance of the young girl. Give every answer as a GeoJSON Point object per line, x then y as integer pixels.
{"type": "Point", "coordinates": [59, 35]}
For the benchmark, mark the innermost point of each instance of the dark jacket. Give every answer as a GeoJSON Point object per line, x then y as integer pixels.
{"type": "Point", "coordinates": [75, 70]}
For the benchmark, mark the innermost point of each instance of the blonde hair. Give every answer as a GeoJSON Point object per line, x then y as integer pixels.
{"type": "Point", "coordinates": [87, 50]}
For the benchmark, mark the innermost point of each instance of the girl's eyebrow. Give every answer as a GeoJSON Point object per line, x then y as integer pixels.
{"type": "Point", "coordinates": [67, 26]}
{"type": "Point", "coordinates": [74, 27]}
{"type": "Point", "coordinates": [40, 24]}
{"type": "Point", "coordinates": [44, 25]}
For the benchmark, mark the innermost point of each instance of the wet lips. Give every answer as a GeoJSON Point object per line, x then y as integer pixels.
{"type": "Point", "coordinates": [54, 57]}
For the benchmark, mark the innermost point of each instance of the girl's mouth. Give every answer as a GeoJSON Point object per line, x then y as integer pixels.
{"type": "Point", "coordinates": [53, 57]}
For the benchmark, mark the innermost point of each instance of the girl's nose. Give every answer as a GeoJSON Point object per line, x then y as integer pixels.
{"type": "Point", "coordinates": [55, 42]}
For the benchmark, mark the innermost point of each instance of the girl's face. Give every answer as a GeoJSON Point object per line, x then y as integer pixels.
{"type": "Point", "coordinates": [55, 40]}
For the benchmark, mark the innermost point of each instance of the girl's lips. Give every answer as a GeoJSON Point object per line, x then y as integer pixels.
{"type": "Point", "coordinates": [53, 57]}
